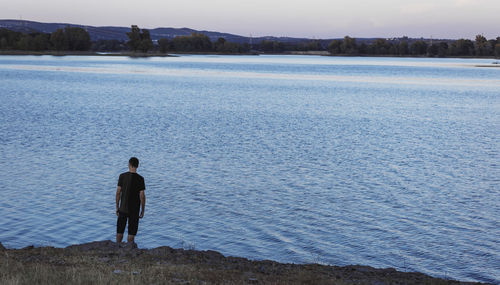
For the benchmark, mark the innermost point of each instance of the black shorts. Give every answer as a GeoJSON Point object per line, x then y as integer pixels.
{"type": "Point", "coordinates": [133, 224]}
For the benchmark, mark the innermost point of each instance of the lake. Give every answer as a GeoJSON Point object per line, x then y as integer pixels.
{"type": "Point", "coordinates": [387, 162]}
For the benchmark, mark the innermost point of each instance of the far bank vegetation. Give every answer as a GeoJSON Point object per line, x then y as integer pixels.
{"type": "Point", "coordinates": [140, 41]}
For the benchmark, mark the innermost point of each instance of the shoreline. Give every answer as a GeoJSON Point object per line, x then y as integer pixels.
{"type": "Point", "coordinates": [83, 53]}
{"type": "Point", "coordinates": [107, 262]}
{"type": "Point", "coordinates": [125, 53]}
{"type": "Point", "coordinates": [175, 54]}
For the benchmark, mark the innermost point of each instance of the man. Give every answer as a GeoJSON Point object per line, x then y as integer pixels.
{"type": "Point", "coordinates": [130, 198]}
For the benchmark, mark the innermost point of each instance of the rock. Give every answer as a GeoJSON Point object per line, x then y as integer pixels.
{"type": "Point", "coordinates": [128, 245]}
{"type": "Point", "coordinates": [263, 269]}
{"type": "Point", "coordinates": [129, 250]}
{"type": "Point", "coordinates": [362, 268]}
{"type": "Point", "coordinates": [96, 245]}
{"type": "Point", "coordinates": [59, 262]}
{"type": "Point", "coordinates": [2, 248]}
{"type": "Point", "coordinates": [28, 247]}
{"type": "Point", "coordinates": [136, 272]}
{"type": "Point", "coordinates": [252, 280]}
{"type": "Point", "coordinates": [389, 270]}
{"type": "Point", "coordinates": [162, 251]}
{"type": "Point", "coordinates": [213, 255]}
{"type": "Point", "coordinates": [117, 271]}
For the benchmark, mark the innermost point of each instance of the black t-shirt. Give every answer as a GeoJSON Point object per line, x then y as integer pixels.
{"type": "Point", "coordinates": [132, 184]}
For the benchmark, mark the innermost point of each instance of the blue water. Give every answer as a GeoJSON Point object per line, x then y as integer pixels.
{"type": "Point", "coordinates": [384, 162]}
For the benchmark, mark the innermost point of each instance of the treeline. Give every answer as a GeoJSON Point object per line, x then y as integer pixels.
{"type": "Point", "coordinates": [402, 47]}
{"type": "Point", "coordinates": [67, 39]}
{"type": "Point", "coordinates": [196, 42]}
{"type": "Point", "coordinates": [78, 39]}
{"type": "Point", "coordinates": [273, 46]}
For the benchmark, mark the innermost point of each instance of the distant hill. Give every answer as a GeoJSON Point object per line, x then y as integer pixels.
{"type": "Point", "coordinates": [119, 33]}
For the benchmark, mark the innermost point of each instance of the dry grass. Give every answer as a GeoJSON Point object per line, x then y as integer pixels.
{"type": "Point", "coordinates": [177, 266]}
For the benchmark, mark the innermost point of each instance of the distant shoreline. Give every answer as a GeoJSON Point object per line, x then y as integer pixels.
{"type": "Point", "coordinates": [174, 54]}
{"type": "Point", "coordinates": [125, 53]}
{"type": "Point", "coordinates": [83, 53]}
{"type": "Point", "coordinates": [106, 262]}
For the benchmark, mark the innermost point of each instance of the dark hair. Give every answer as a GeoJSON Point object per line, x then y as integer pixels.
{"type": "Point", "coordinates": [134, 162]}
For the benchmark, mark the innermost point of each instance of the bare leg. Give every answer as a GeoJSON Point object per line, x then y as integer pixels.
{"type": "Point", "coordinates": [130, 238]}
{"type": "Point", "coordinates": [119, 238]}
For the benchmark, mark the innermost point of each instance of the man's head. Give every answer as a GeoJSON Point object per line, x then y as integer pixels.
{"type": "Point", "coordinates": [133, 162]}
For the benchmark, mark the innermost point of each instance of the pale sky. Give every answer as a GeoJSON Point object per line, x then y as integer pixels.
{"type": "Point", "coordinates": [307, 18]}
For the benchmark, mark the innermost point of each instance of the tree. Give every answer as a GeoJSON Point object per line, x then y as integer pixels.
{"type": "Point", "coordinates": [334, 47]}
{"type": "Point", "coordinates": [245, 47]}
{"type": "Point", "coordinates": [146, 42]}
{"type": "Point", "coordinates": [497, 48]}
{"type": "Point", "coordinates": [481, 46]}
{"type": "Point", "coordinates": [71, 38]}
{"type": "Point", "coordinates": [195, 42]}
{"type": "Point", "coordinates": [163, 44]}
{"type": "Point", "coordinates": [9, 38]}
{"type": "Point", "coordinates": [348, 46]}
{"type": "Point", "coordinates": [77, 38]}
{"type": "Point", "coordinates": [57, 39]}
{"type": "Point", "coordinates": [305, 46]}
{"type": "Point", "coordinates": [135, 38]}
{"type": "Point", "coordinates": [219, 44]}
{"type": "Point", "coordinates": [228, 47]}
{"type": "Point", "coordinates": [108, 45]}
{"type": "Point", "coordinates": [4, 44]}
{"type": "Point", "coordinates": [418, 48]}
{"type": "Point", "coordinates": [182, 43]}
{"type": "Point", "coordinates": [41, 41]}
{"type": "Point", "coordinates": [272, 46]}
{"type": "Point", "coordinates": [442, 49]}
{"type": "Point", "coordinates": [25, 43]}
{"type": "Point", "coordinates": [139, 40]}
{"type": "Point", "coordinates": [222, 45]}
{"type": "Point", "coordinates": [433, 50]}
{"type": "Point", "coordinates": [403, 47]}
{"type": "Point", "coordinates": [379, 46]}
{"type": "Point", "coordinates": [363, 48]}
{"type": "Point", "coordinates": [462, 47]}
{"type": "Point", "coordinates": [491, 47]}
{"type": "Point", "coordinates": [392, 49]}
{"type": "Point", "coordinates": [201, 42]}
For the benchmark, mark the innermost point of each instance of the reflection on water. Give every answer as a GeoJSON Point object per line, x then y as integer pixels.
{"type": "Point", "coordinates": [378, 161]}
{"type": "Point", "coordinates": [197, 72]}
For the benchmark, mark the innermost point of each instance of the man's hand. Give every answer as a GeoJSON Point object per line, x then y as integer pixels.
{"type": "Point", "coordinates": [142, 196]}
{"type": "Point", "coordinates": [118, 193]}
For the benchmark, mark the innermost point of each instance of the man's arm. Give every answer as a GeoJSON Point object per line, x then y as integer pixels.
{"type": "Point", "coordinates": [118, 191]}
{"type": "Point", "coordinates": [143, 203]}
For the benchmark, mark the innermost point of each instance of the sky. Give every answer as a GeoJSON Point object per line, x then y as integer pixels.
{"type": "Point", "coordinates": [451, 19]}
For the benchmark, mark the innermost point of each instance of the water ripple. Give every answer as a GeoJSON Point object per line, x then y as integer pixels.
{"type": "Point", "coordinates": [384, 162]}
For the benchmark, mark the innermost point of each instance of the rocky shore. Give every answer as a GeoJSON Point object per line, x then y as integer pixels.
{"type": "Point", "coordinates": [106, 262]}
